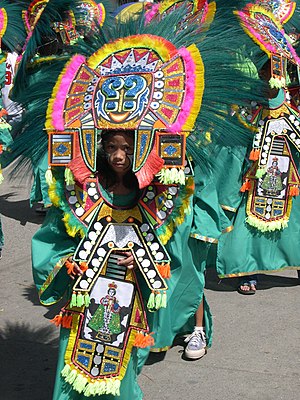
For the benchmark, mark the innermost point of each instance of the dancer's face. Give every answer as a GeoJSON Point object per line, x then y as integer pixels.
{"type": "Point", "coordinates": [119, 150]}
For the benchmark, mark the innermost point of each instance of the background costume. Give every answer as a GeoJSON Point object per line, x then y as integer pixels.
{"type": "Point", "coordinates": [265, 224]}
{"type": "Point", "coordinates": [11, 36]}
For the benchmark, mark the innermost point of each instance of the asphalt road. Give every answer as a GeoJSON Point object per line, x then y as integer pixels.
{"type": "Point", "coordinates": [256, 347]}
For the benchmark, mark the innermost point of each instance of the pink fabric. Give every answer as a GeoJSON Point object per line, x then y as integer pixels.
{"type": "Point", "coordinates": [189, 91]}
{"type": "Point", "coordinates": [57, 117]}
{"type": "Point", "coordinates": [151, 13]}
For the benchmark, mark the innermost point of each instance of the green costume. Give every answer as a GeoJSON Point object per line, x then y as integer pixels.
{"type": "Point", "coordinates": [247, 250]}
{"type": "Point", "coordinates": [185, 289]}
{"type": "Point", "coordinates": [50, 247]}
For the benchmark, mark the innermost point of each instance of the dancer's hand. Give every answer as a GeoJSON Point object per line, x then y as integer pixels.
{"type": "Point", "coordinates": [73, 268]}
{"type": "Point", "coordinates": [128, 261]}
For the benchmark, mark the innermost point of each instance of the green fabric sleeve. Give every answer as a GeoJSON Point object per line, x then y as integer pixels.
{"type": "Point", "coordinates": [209, 220]}
{"type": "Point", "coordinates": [51, 246]}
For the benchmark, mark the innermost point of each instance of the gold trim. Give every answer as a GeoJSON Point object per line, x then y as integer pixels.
{"type": "Point", "coordinates": [228, 229]}
{"type": "Point", "coordinates": [228, 208]}
{"type": "Point", "coordinates": [160, 349]}
{"type": "Point", "coordinates": [51, 278]}
{"type": "Point", "coordinates": [203, 238]}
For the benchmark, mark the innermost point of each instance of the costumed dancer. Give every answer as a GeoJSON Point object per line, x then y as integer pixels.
{"type": "Point", "coordinates": [139, 86]}
{"type": "Point", "coordinates": [11, 35]}
{"type": "Point", "coordinates": [265, 224]}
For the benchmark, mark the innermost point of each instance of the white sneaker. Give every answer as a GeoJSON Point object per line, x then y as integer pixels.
{"type": "Point", "coordinates": [196, 345]}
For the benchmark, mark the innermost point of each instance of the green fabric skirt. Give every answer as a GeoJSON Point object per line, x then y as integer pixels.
{"type": "Point", "coordinates": [246, 250]}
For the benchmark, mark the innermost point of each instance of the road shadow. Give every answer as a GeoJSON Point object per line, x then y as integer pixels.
{"type": "Point", "coordinates": [213, 282]}
{"type": "Point", "coordinates": [265, 281]}
{"type": "Point", "coordinates": [19, 210]}
{"type": "Point", "coordinates": [28, 362]}
{"type": "Point", "coordinates": [155, 357]}
{"type": "Point", "coordinates": [30, 293]}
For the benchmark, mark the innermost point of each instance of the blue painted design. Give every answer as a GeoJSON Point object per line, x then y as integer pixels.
{"type": "Point", "coordinates": [160, 199]}
{"type": "Point", "coordinates": [170, 150]}
{"type": "Point", "coordinates": [143, 101]}
{"type": "Point", "coordinates": [84, 360]}
{"type": "Point", "coordinates": [278, 213]}
{"type": "Point", "coordinates": [144, 140]}
{"type": "Point", "coordinates": [113, 353]}
{"type": "Point", "coordinates": [128, 105]}
{"type": "Point", "coordinates": [278, 203]}
{"type": "Point", "coordinates": [88, 140]}
{"type": "Point", "coordinates": [259, 210]}
{"type": "Point", "coordinates": [61, 148]}
{"type": "Point", "coordinates": [86, 346]}
{"type": "Point", "coordinates": [108, 367]}
{"type": "Point", "coordinates": [99, 105]}
{"type": "Point", "coordinates": [81, 195]}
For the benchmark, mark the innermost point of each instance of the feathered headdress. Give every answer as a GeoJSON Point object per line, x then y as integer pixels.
{"type": "Point", "coordinates": [170, 88]}
{"type": "Point", "coordinates": [265, 27]}
{"type": "Point", "coordinates": [12, 32]}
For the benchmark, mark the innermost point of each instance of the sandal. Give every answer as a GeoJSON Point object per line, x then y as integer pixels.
{"type": "Point", "coordinates": [250, 284]}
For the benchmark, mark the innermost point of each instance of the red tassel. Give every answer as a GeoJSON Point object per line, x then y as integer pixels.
{"type": "Point", "coordinates": [164, 270]}
{"type": "Point", "coordinates": [57, 320]}
{"type": "Point", "coordinates": [294, 191]}
{"type": "Point", "coordinates": [3, 112]}
{"type": "Point", "coordinates": [246, 186]}
{"type": "Point", "coordinates": [70, 267]}
{"type": "Point", "coordinates": [151, 167]}
{"type": "Point", "coordinates": [1, 148]}
{"type": "Point", "coordinates": [67, 321]}
{"type": "Point", "coordinates": [77, 165]}
{"type": "Point", "coordinates": [254, 154]}
{"type": "Point", "coordinates": [83, 266]}
{"type": "Point", "coordinates": [143, 340]}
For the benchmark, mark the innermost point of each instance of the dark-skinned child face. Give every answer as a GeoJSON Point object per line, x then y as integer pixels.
{"type": "Point", "coordinates": [119, 151]}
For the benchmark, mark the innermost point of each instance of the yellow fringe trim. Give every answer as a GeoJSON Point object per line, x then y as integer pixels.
{"type": "Point", "coordinates": [72, 230]}
{"type": "Point", "coordinates": [50, 278]}
{"type": "Point", "coordinates": [183, 210]}
{"type": "Point", "coordinates": [161, 46]}
{"type": "Point", "coordinates": [56, 201]}
{"type": "Point", "coordinates": [264, 226]}
{"type": "Point", "coordinates": [228, 208]}
{"type": "Point", "coordinates": [160, 349]}
{"type": "Point", "coordinates": [3, 30]}
{"type": "Point", "coordinates": [212, 8]}
{"type": "Point", "coordinates": [54, 197]}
